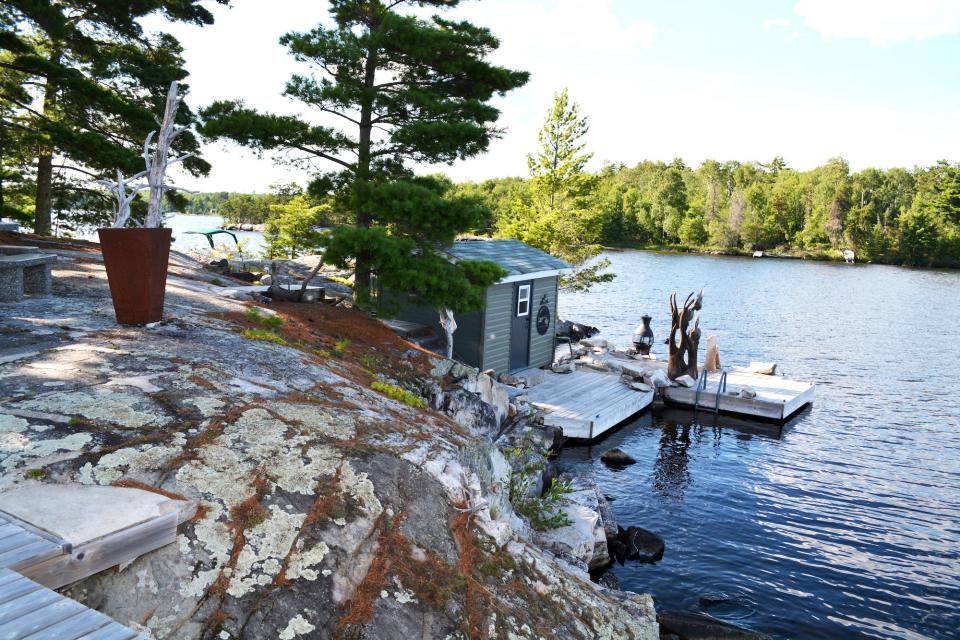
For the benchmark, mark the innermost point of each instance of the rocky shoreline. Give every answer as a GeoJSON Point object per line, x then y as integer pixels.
{"type": "Point", "coordinates": [324, 507]}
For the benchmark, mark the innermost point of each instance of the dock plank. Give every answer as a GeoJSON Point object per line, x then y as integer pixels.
{"type": "Point", "coordinates": [585, 404]}
{"type": "Point", "coordinates": [40, 619]}
{"type": "Point", "coordinates": [87, 621]}
{"type": "Point", "coordinates": [29, 611]}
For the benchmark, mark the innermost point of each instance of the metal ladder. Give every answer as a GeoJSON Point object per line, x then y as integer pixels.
{"type": "Point", "coordinates": [702, 386]}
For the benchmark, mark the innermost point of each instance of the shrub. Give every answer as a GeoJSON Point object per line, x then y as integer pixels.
{"type": "Point", "coordinates": [543, 511]}
{"type": "Point", "coordinates": [397, 393]}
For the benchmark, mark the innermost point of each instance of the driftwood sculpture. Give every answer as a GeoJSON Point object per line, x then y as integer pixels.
{"type": "Point", "coordinates": [124, 190]}
{"type": "Point", "coordinates": [682, 357]}
{"type": "Point", "coordinates": [156, 163]}
{"type": "Point", "coordinates": [158, 160]}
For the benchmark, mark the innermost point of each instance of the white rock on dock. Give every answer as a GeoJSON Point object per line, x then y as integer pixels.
{"type": "Point", "coordinates": [765, 368]}
{"type": "Point", "coordinates": [686, 381]}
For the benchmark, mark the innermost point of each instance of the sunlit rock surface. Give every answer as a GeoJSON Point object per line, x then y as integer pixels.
{"type": "Point", "coordinates": [324, 509]}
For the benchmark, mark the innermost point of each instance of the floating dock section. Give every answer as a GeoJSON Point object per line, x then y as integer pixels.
{"type": "Point", "coordinates": [586, 404]}
{"type": "Point", "coordinates": [777, 398]}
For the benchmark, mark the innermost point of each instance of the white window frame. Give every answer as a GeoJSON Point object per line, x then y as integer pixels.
{"type": "Point", "coordinates": [523, 297]}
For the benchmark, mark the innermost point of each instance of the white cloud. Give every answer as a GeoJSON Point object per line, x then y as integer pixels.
{"type": "Point", "coordinates": [639, 103]}
{"type": "Point", "coordinates": [883, 22]}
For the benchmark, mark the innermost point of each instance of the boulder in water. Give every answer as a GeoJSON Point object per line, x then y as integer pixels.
{"type": "Point", "coordinates": [699, 626]}
{"type": "Point", "coordinates": [643, 545]}
{"type": "Point", "coordinates": [575, 331]}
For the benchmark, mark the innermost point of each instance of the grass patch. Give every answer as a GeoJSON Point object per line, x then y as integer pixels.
{"type": "Point", "coordinates": [272, 321]}
{"type": "Point", "coordinates": [35, 474]}
{"type": "Point", "coordinates": [264, 335]}
{"type": "Point", "coordinates": [404, 396]}
{"type": "Point", "coordinates": [340, 346]}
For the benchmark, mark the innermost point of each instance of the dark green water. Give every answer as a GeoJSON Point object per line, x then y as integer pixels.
{"type": "Point", "coordinates": [847, 523]}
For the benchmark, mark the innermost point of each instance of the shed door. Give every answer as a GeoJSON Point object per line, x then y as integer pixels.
{"type": "Point", "coordinates": [520, 325]}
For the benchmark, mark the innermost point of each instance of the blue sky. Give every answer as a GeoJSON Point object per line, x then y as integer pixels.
{"type": "Point", "coordinates": [875, 81]}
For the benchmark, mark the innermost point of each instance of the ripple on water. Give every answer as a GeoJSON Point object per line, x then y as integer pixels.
{"type": "Point", "coordinates": [845, 524]}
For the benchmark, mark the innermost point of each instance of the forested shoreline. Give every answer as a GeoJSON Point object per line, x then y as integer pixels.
{"type": "Point", "coordinates": [891, 216]}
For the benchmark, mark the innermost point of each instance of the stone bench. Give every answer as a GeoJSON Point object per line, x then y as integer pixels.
{"type": "Point", "coordinates": [25, 272]}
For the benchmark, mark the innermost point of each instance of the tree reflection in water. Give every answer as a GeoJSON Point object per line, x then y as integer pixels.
{"type": "Point", "coordinates": [671, 475]}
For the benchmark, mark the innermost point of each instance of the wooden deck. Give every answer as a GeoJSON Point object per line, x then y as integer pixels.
{"type": "Point", "coordinates": [777, 398]}
{"type": "Point", "coordinates": [54, 535]}
{"type": "Point", "coordinates": [586, 404]}
{"type": "Point", "coordinates": [30, 610]}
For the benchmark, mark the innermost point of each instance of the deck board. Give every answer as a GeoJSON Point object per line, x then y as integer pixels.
{"type": "Point", "coordinates": [585, 404]}
{"type": "Point", "coordinates": [29, 611]}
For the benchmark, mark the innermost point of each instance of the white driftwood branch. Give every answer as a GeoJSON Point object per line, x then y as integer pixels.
{"type": "Point", "coordinates": [449, 326]}
{"type": "Point", "coordinates": [124, 191]}
{"type": "Point", "coordinates": [157, 162]}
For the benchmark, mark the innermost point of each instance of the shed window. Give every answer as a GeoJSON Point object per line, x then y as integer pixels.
{"type": "Point", "coordinates": [523, 300]}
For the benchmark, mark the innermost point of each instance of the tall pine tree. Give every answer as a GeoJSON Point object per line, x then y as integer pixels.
{"type": "Point", "coordinates": [558, 213]}
{"type": "Point", "coordinates": [81, 82]}
{"type": "Point", "coordinates": [400, 89]}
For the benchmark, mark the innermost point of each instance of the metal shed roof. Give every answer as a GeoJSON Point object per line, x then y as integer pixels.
{"type": "Point", "coordinates": [517, 258]}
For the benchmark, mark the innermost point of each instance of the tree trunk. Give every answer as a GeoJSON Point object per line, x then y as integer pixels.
{"type": "Point", "coordinates": [362, 264]}
{"type": "Point", "coordinates": [43, 203]}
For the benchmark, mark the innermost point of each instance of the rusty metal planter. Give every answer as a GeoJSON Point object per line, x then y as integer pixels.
{"type": "Point", "coordinates": [136, 263]}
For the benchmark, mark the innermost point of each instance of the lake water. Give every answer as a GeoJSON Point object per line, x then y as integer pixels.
{"type": "Point", "coordinates": [847, 523]}
{"type": "Point", "coordinates": [251, 241]}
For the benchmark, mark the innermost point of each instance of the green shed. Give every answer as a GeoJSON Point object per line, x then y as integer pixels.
{"type": "Point", "coordinates": [515, 330]}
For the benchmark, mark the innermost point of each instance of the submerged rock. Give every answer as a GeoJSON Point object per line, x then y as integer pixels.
{"type": "Point", "coordinates": [617, 457]}
{"type": "Point", "coordinates": [700, 626]}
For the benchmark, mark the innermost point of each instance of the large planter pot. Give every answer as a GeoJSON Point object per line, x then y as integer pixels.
{"type": "Point", "coordinates": [136, 262]}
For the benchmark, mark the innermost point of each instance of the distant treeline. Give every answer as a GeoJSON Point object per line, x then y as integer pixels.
{"type": "Point", "coordinates": [243, 208]}
{"type": "Point", "coordinates": [897, 216]}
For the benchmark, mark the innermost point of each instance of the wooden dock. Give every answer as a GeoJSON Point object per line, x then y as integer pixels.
{"type": "Point", "coordinates": [54, 535]}
{"type": "Point", "coordinates": [586, 404]}
{"type": "Point", "coordinates": [777, 398]}
{"type": "Point", "coordinates": [30, 610]}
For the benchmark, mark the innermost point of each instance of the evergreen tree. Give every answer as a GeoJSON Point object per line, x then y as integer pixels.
{"type": "Point", "coordinates": [292, 228]}
{"type": "Point", "coordinates": [404, 89]}
{"type": "Point", "coordinates": [558, 213]}
{"type": "Point", "coordinates": [81, 85]}
{"type": "Point", "coordinates": [558, 168]}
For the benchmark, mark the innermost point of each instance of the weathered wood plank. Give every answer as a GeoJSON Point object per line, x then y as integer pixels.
{"type": "Point", "coordinates": [110, 550]}
{"type": "Point", "coordinates": [14, 609]}
{"type": "Point", "coordinates": [36, 551]}
{"type": "Point", "coordinates": [585, 404]}
{"type": "Point", "coordinates": [17, 589]}
{"type": "Point", "coordinates": [113, 632]}
{"type": "Point", "coordinates": [8, 529]}
{"type": "Point", "coordinates": [41, 619]}
{"type": "Point", "coordinates": [86, 622]}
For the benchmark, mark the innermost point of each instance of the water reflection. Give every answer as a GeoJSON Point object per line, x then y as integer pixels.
{"type": "Point", "coordinates": [842, 524]}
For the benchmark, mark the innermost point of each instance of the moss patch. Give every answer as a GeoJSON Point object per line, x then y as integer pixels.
{"type": "Point", "coordinates": [404, 396]}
